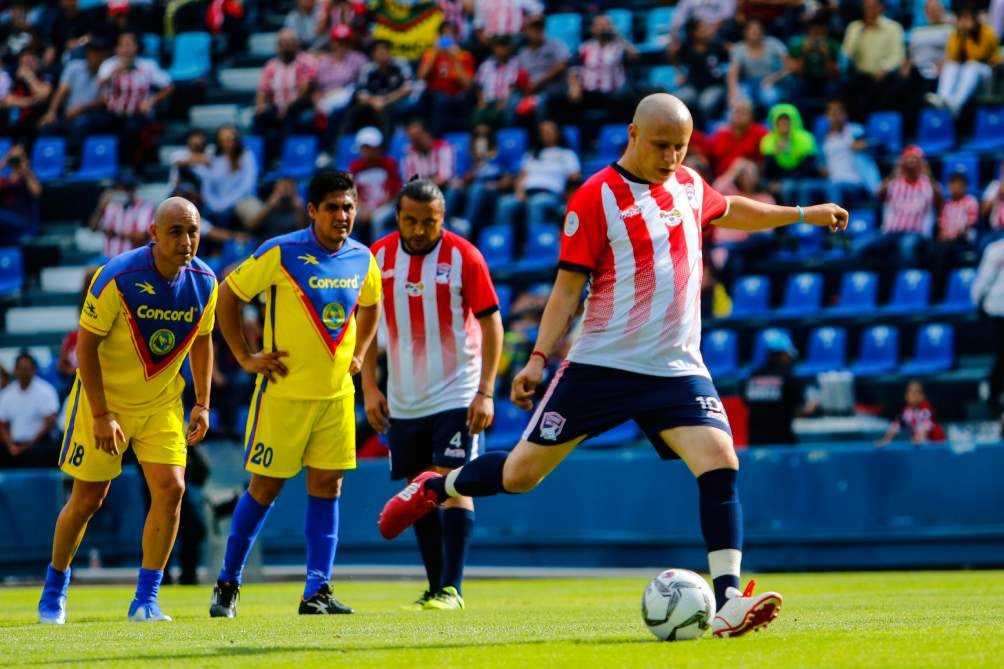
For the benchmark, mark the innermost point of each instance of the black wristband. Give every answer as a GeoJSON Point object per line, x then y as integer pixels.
{"type": "Point", "coordinates": [485, 395]}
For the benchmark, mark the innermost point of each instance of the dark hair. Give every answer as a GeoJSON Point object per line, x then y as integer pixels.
{"type": "Point", "coordinates": [537, 143]}
{"type": "Point", "coordinates": [23, 354]}
{"type": "Point", "coordinates": [235, 154]}
{"type": "Point", "coordinates": [420, 190]}
{"type": "Point", "coordinates": [959, 175]}
{"type": "Point", "coordinates": [378, 43]}
{"type": "Point", "coordinates": [448, 25]}
{"type": "Point", "coordinates": [327, 182]}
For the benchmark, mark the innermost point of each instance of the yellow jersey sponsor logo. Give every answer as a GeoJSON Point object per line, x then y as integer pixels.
{"type": "Point", "coordinates": [162, 341]}
{"type": "Point", "coordinates": [151, 313]}
{"type": "Point", "coordinates": [338, 282]}
{"type": "Point", "coordinates": [308, 259]}
{"type": "Point", "coordinates": [146, 287]}
{"type": "Point", "coordinates": [333, 315]}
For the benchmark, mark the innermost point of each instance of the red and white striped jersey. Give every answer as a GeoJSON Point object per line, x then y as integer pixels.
{"type": "Point", "coordinates": [120, 221]}
{"type": "Point", "coordinates": [909, 206]}
{"type": "Point", "coordinates": [125, 91]}
{"type": "Point", "coordinates": [282, 82]}
{"type": "Point", "coordinates": [602, 66]}
{"type": "Point", "coordinates": [958, 217]}
{"type": "Point", "coordinates": [498, 81]}
{"type": "Point", "coordinates": [437, 163]}
{"type": "Point", "coordinates": [429, 326]}
{"type": "Point", "coordinates": [503, 17]}
{"type": "Point", "coordinates": [640, 243]}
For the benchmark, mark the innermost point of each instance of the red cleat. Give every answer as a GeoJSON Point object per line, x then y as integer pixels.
{"type": "Point", "coordinates": [403, 509]}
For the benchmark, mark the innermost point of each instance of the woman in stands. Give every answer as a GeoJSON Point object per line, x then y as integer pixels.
{"type": "Point", "coordinates": [231, 178]}
{"type": "Point", "coordinates": [971, 52]}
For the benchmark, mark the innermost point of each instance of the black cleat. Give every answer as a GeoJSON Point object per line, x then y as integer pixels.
{"type": "Point", "coordinates": [322, 603]}
{"type": "Point", "coordinates": [225, 596]}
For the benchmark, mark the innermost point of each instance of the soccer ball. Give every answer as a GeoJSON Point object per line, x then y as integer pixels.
{"type": "Point", "coordinates": [677, 604]}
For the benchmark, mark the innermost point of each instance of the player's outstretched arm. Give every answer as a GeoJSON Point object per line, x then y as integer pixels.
{"type": "Point", "coordinates": [751, 215]}
{"type": "Point", "coordinates": [366, 327]}
{"type": "Point", "coordinates": [561, 306]}
{"type": "Point", "coordinates": [200, 358]}
{"type": "Point", "coordinates": [228, 315]}
{"type": "Point", "coordinates": [108, 436]}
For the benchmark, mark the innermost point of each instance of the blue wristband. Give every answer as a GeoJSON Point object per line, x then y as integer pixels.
{"type": "Point", "coordinates": [801, 214]}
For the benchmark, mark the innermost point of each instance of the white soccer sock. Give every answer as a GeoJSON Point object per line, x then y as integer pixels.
{"type": "Point", "coordinates": [725, 562]}
{"type": "Point", "coordinates": [448, 482]}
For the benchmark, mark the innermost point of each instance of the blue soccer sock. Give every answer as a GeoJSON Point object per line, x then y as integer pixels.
{"type": "Point", "coordinates": [56, 584]}
{"type": "Point", "coordinates": [148, 585]}
{"type": "Point", "coordinates": [722, 527]}
{"type": "Point", "coordinates": [429, 533]}
{"type": "Point", "coordinates": [481, 477]}
{"type": "Point", "coordinates": [457, 527]}
{"type": "Point", "coordinates": [322, 540]}
{"type": "Point", "coordinates": [249, 517]}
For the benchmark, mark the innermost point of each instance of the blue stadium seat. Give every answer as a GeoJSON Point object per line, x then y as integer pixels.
{"type": "Point", "coordinates": [884, 131]}
{"type": "Point", "coordinates": [957, 296]}
{"type": "Point", "coordinates": [760, 345]}
{"type": "Point", "coordinates": [461, 143]}
{"type": "Point", "coordinates": [573, 137]}
{"type": "Point", "coordinates": [151, 46]}
{"type": "Point", "coordinates": [504, 293]}
{"type": "Point", "coordinates": [241, 419]}
{"type": "Point", "coordinates": [988, 134]}
{"type": "Point", "coordinates": [5, 146]}
{"type": "Point", "coordinates": [512, 144]}
{"type": "Point", "coordinates": [622, 20]}
{"type": "Point", "coordinates": [861, 221]}
{"type": "Point", "coordinates": [623, 435]}
{"type": "Point", "coordinates": [827, 352]}
{"type": "Point", "coordinates": [256, 145]}
{"type": "Point", "coordinates": [191, 56]}
{"type": "Point", "coordinates": [591, 166]}
{"type": "Point", "coordinates": [911, 293]}
{"type": "Point", "coordinates": [48, 158]}
{"type": "Point", "coordinates": [235, 250]}
{"type": "Point", "coordinates": [878, 352]}
{"type": "Point", "coordinates": [299, 155]}
{"type": "Point", "coordinates": [496, 244]}
{"type": "Point", "coordinates": [346, 152]}
{"type": "Point", "coordinates": [936, 131]}
{"type": "Point", "coordinates": [808, 239]}
{"type": "Point", "coordinates": [820, 126]}
{"type": "Point", "coordinates": [858, 295]}
{"type": "Point", "coordinates": [965, 162]}
{"type": "Point", "coordinates": [934, 351]}
{"type": "Point", "coordinates": [510, 421]}
{"type": "Point", "coordinates": [541, 246]}
{"type": "Point", "coordinates": [398, 145]}
{"type": "Point", "coordinates": [750, 296]}
{"type": "Point", "coordinates": [803, 295]}
{"type": "Point", "coordinates": [565, 28]}
{"type": "Point", "coordinates": [11, 270]}
{"type": "Point", "coordinates": [612, 139]}
{"type": "Point", "coordinates": [99, 159]}
{"type": "Point", "coordinates": [720, 350]}
{"type": "Point", "coordinates": [664, 77]}
{"type": "Point", "coordinates": [657, 29]}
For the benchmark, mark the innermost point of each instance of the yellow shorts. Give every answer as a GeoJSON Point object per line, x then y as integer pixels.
{"type": "Point", "coordinates": [283, 435]}
{"type": "Point", "coordinates": [158, 438]}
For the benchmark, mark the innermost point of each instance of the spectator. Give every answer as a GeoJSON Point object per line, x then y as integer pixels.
{"type": "Point", "coordinates": [18, 33]}
{"type": "Point", "coordinates": [715, 13]}
{"type": "Point", "coordinates": [20, 191]}
{"type": "Point", "coordinates": [78, 97]}
{"type": "Point", "coordinates": [27, 415]}
{"type": "Point", "coordinates": [503, 17]}
{"type": "Point", "coordinates": [384, 87]}
{"type": "Point", "coordinates": [757, 67]}
{"type": "Point", "coordinates": [338, 70]}
{"type": "Point", "coordinates": [448, 73]}
{"type": "Point", "coordinates": [455, 12]}
{"type": "Point", "coordinates": [774, 395]}
{"type": "Point", "coordinates": [814, 61]}
{"type": "Point", "coordinates": [972, 50]}
{"type": "Point", "coordinates": [545, 175]}
{"type": "Point", "coordinates": [191, 163]}
{"type": "Point", "coordinates": [128, 83]}
{"type": "Point", "coordinates": [231, 177]}
{"type": "Point", "coordinates": [917, 416]}
{"type": "Point", "coordinates": [929, 41]}
{"type": "Point", "coordinates": [430, 158]}
{"type": "Point", "coordinates": [306, 20]}
{"type": "Point", "coordinates": [121, 19]}
{"type": "Point", "coordinates": [24, 102]}
{"type": "Point", "coordinates": [500, 81]}
{"type": "Point", "coordinates": [545, 61]}
{"type": "Point", "coordinates": [69, 31]}
{"type": "Point", "coordinates": [874, 46]}
{"type": "Point", "coordinates": [377, 182]}
{"type": "Point", "coordinates": [988, 295]}
{"type": "Point", "coordinates": [789, 152]}
{"type": "Point", "coordinates": [993, 207]}
{"type": "Point", "coordinates": [349, 13]}
{"type": "Point", "coordinates": [851, 171]}
{"type": "Point", "coordinates": [739, 138]}
{"type": "Point", "coordinates": [705, 63]}
{"type": "Point", "coordinates": [482, 183]}
{"type": "Point", "coordinates": [123, 217]}
{"type": "Point", "coordinates": [956, 227]}
{"type": "Point", "coordinates": [283, 102]}
{"type": "Point", "coordinates": [732, 247]}
{"type": "Point", "coordinates": [284, 211]}
{"type": "Point", "coordinates": [911, 198]}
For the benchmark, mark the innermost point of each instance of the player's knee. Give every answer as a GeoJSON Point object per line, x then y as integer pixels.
{"type": "Point", "coordinates": [264, 490]}
{"type": "Point", "coordinates": [87, 502]}
{"type": "Point", "coordinates": [519, 480]}
{"type": "Point", "coordinates": [169, 492]}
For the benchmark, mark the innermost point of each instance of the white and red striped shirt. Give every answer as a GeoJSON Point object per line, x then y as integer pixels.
{"type": "Point", "coordinates": [429, 325]}
{"type": "Point", "coordinates": [498, 81]}
{"type": "Point", "coordinates": [503, 17]}
{"type": "Point", "coordinates": [122, 220]}
{"type": "Point", "coordinates": [909, 206]}
{"type": "Point", "coordinates": [125, 91]}
{"type": "Point", "coordinates": [602, 66]}
{"type": "Point", "coordinates": [282, 82]}
{"type": "Point", "coordinates": [958, 217]}
{"type": "Point", "coordinates": [438, 163]}
{"type": "Point", "coordinates": [640, 243]}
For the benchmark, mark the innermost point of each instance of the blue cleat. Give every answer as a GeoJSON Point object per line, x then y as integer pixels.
{"type": "Point", "coordinates": [147, 612]}
{"type": "Point", "coordinates": [52, 605]}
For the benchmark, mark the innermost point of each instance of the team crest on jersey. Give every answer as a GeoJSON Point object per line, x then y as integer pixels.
{"type": "Point", "coordinates": [551, 425]}
{"type": "Point", "coordinates": [414, 289]}
{"type": "Point", "coordinates": [671, 218]}
{"type": "Point", "coordinates": [633, 210]}
{"type": "Point", "coordinates": [333, 315]}
{"type": "Point", "coordinates": [443, 273]}
{"type": "Point", "coordinates": [162, 341]}
{"type": "Point", "coordinates": [691, 195]}
{"type": "Point", "coordinates": [571, 223]}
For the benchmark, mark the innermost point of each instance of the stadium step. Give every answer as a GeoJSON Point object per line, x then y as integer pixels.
{"type": "Point", "coordinates": [63, 279]}
{"type": "Point", "coordinates": [240, 79]}
{"type": "Point", "coordinates": [262, 44]}
{"type": "Point", "coordinates": [211, 117]}
{"type": "Point", "coordinates": [36, 320]}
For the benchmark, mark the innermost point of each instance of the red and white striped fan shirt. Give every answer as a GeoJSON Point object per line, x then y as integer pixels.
{"type": "Point", "coordinates": [283, 81]}
{"type": "Point", "coordinates": [640, 243]}
{"type": "Point", "coordinates": [958, 216]}
{"type": "Point", "coordinates": [602, 66]}
{"type": "Point", "coordinates": [909, 206]}
{"type": "Point", "coordinates": [503, 17]}
{"type": "Point", "coordinates": [498, 81]}
{"type": "Point", "coordinates": [437, 163]}
{"type": "Point", "coordinates": [126, 91]}
{"type": "Point", "coordinates": [429, 326]}
{"type": "Point", "coordinates": [120, 221]}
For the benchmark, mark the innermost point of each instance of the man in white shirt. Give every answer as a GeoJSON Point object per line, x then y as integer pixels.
{"type": "Point", "coordinates": [27, 415]}
{"type": "Point", "coordinates": [988, 295]}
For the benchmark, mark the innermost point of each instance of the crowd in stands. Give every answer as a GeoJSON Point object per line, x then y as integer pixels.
{"type": "Point", "coordinates": [508, 109]}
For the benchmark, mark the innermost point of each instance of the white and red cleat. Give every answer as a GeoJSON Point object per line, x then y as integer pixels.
{"type": "Point", "coordinates": [403, 509]}
{"type": "Point", "coordinates": [744, 612]}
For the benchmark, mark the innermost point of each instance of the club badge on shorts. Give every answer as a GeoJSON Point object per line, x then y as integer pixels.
{"type": "Point", "coordinates": [551, 424]}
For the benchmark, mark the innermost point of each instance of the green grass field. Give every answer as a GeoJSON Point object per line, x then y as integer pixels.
{"type": "Point", "coordinates": [920, 619]}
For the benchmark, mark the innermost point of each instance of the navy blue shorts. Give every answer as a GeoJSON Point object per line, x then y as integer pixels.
{"type": "Point", "coordinates": [439, 440]}
{"type": "Point", "coordinates": [588, 399]}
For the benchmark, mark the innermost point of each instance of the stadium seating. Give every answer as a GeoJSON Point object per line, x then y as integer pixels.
{"type": "Point", "coordinates": [936, 131]}
{"type": "Point", "coordinates": [934, 351]}
{"type": "Point", "coordinates": [29, 320]}
{"type": "Point", "coordinates": [497, 245]}
{"type": "Point", "coordinates": [299, 154]}
{"type": "Point", "coordinates": [720, 350]}
{"type": "Point", "coordinates": [346, 151]}
{"type": "Point", "coordinates": [611, 142]}
{"type": "Point", "coordinates": [240, 79]}
{"type": "Point", "coordinates": [566, 28]}
{"type": "Point", "coordinates": [573, 137]}
{"type": "Point", "coordinates": [803, 295]}
{"type": "Point", "coordinates": [965, 162]}
{"type": "Point", "coordinates": [262, 45]}
{"type": "Point", "coordinates": [256, 145]}
{"type": "Point", "coordinates": [541, 247]}
{"type": "Point", "coordinates": [988, 134]}
{"type": "Point", "coordinates": [827, 352]}
{"type": "Point", "coordinates": [657, 29]}
{"type": "Point", "coordinates": [5, 145]}
{"type": "Point", "coordinates": [512, 144]}
{"type": "Point", "coordinates": [211, 117]}
{"type": "Point", "coordinates": [858, 295]}
{"type": "Point", "coordinates": [861, 221]}
{"type": "Point", "coordinates": [957, 296]}
{"type": "Point", "coordinates": [461, 143]}
{"type": "Point", "coordinates": [760, 346]}
{"type": "Point", "coordinates": [151, 46]}
{"type": "Point", "coordinates": [63, 279]}
{"type": "Point", "coordinates": [504, 293]}
{"type": "Point", "coordinates": [911, 292]}
{"type": "Point", "coordinates": [878, 351]}
{"type": "Point", "coordinates": [48, 158]}
{"type": "Point", "coordinates": [884, 131]}
{"type": "Point", "coordinates": [664, 77]}
{"type": "Point", "coordinates": [622, 20]}
{"type": "Point", "coordinates": [99, 159]}
{"type": "Point", "coordinates": [398, 145]}
{"type": "Point", "coordinates": [11, 270]}
{"type": "Point", "coordinates": [750, 296]}
{"type": "Point", "coordinates": [510, 421]}
{"type": "Point", "coordinates": [808, 242]}
{"type": "Point", "coordinates": [191, 56]}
